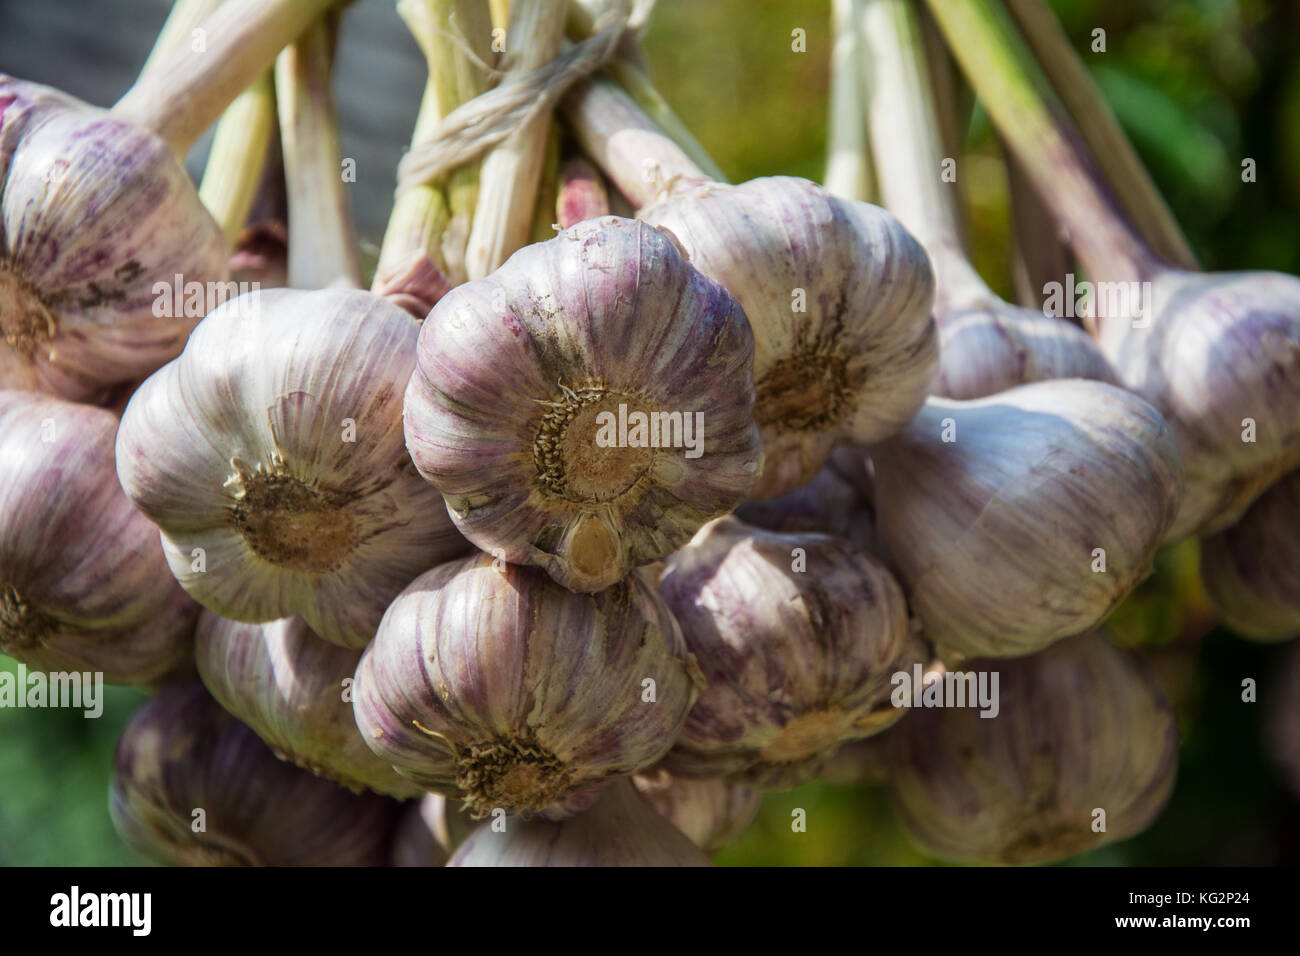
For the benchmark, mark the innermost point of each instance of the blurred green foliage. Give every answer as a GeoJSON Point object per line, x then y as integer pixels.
{"type": "Point", "coordinates": [1199, 85]}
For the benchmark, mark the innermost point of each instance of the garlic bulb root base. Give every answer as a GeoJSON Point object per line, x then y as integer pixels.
{"type": "Point", "coordinates": [289, 523]}
{"type": "Point", "coordinates": [510, 772]}
{"type": "Point", "coordinates": [21, 626]}
{"type": "Point", "coordinates": [27, 322]}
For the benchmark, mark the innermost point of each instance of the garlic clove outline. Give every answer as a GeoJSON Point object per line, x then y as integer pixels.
{"type": "Point", "coordinates": [83, 582]}
{"type": "Point", "coordinates": [1081, 727]}
{"type": "Point", "coordinates": [271, 456]}
{"type": "Point", "coordinates": [798, 637]}
{"type": "Point", "coordinates": [491, 684]}
{"type": "Point", "coordinates": [294, 690]}
{"type": "Point", "coordinates": [523, 406]}
{"type": "Point", "coordinates": [1025, 517]}
{"type": "Point", "coordinates": [713, 813]}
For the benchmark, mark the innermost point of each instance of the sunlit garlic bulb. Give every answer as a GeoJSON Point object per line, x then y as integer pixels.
{"type": "Point", "coordinates": [492, 684]}
{"type": "Point", "coordinates": [588, 406]}
{"type": "Point", "coordinates": [295, 691]}
{"type": "Point", "coordinates": [712, 813]}
{"type": "Point", "coordinates": [83, 580]}
{"type": "Point", "coordinates": [271, 455]}
{"type": "Point", "coordinates": [620, 829]}
{"type": "Point", "coordinates": [192, 786]}
{"type": "Point", "coordinates": [1251, 570]}
{"type": "Point", "coordinates": [798, 637]}
{"type": "Point", "coordinates": [95, 211]}
{"type": "Point", "coordinates": [1082, 752]}
{"type": "Point", "coordinates": [1025, 517]}
{"type": "Point", "coordinates": [838, 294]}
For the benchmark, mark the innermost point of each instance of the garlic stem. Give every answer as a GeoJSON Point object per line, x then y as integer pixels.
{"type": "Point", "coordinates": [581, 195]}
{"type": "Point", "coordinates": [1101, 131]}
{"type": "Point", "coordinates": [1040, 256]}
{"type": "Point", "coordinates": [511, 171]}
{"type": "Point", "coordinates": [848, 158]}
{"type": "Point", "coordinates": [1038, 131]}
{"type": "Point", "coordinates": [547, 201]}
{"type": "Point", "coordinates": [434, 218]}
{"type": "Point", "coordinates": [628, 70]}
{"type": "Point", "coordinates": [185, 16]}
{"type": "Point", "coordinates": [188, 90]}
{"type": "Point", "coordinates": [637, 155]}
{"type": "Point", "coordinates": [322, 241]}
{"type": "Point", "coordinates": [234, 171]}
{"type": "Point", "coordinates": [907, 143]}
{"type": "Point", "coordinates": [500, 12]}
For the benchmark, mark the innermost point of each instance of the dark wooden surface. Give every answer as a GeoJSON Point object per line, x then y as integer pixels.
{"type": "Point", "coordinates": [94, 48]}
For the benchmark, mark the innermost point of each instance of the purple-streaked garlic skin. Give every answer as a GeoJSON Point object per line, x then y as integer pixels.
{"type": "Point", "coordinates": [83, 580]}
{"type": "Point", "coordinates": [994, 534]}
{"type": "Point", "coordinates": [1081, 726]}
{"type": "Point", "coordinates": [991, 347]}
{"type": "Point", "coordinates": [829, 504]}
{"type": "Point", "coordinates": [181, 752]}
{"type": "Point", "coordinates": [796, 663]}
{"type": "Point", "coordinates": [293, 690]}
{"type": "Point", "coordinates": [491, 684]}
{"type": "Point", "coordinates": [515, 372]}
{"type": "Point", "coordinates": [1218, 349]}
{"type": "Point", "coordinates": [93, 213]}
{"type": "Point", "coordinates": [272, 449]}
{"type": "Point", "coordinates": [713, 813]}
{"type": "Point", "coordinates": [1251, 570]}
{"type": "Point", "coordinates": [856, 364]}
{"type": "Point", "coordinates": [582, 193]}
{"type": "Point", "coordinates": [620, 829]}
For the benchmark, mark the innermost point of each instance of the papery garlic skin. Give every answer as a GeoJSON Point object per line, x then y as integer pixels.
{"type": "Point", "coordinates": [94, 213]}
{"type": "Point", "coordinates": [271, 455]}
{"type": "Point", "coordinates": [838, 294]}
{"type": "Point", "coordinates": [492, 684]}
{"type": "Point", "coordinates": [1217, 354]}
{"type": "Point", "coordinates": [798, 637]}
{"type": "Point", "coordinates": [83, 581]}
{"type": "Point", "coordinates": [181, 753]}
{"type": "Point", "coordinates": [1025, 517]}
{"type": "Point", "coordinates": [620, 829]}
{"type": "Point", "coordinates": [713, 813]}
{"type": "Point", "coordinates": [1251, 570]}
{"type": "Point", "coordinates": [1081, 727]}
{"type": "Point", "coordinates": [989, 347]}
{"type": "Point", "coordinates": [293, 690]}
{"type": "Point", "coordinates": [520, 374]}
{"type": "Point", "coordinates": [829, 504]}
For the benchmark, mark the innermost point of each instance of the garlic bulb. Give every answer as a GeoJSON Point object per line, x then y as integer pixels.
{"type": "Point", "coordinates": [96, 213]}
{"type": "Point", "coordinates": [798, 636]}
{"type": "Point", "coordinates": [490, 683]}
{"type": "Point", "coordinates": [587, 406]}
{"type": "Point", "coordinates": [194, 787]}
{"type": "Point", "coordinates": [295, 691]}
{"type": "Point", "coordinates": [1217, 354]}
{"type": "Point", "coordinates": [838, 292]}
{"type": "Point", "coordinates": [620, 829]}
{"type": "Point", "coordinates": [1025, 517]}
{"type": "Point", "coordinates": [1252, 569]}
{"type": "Point", "coordinates": [1083, 752]}
{"type": "Point", "coordinates": [270, 453]}
{"type": "Point", "coordinates": [829, 504]}
{"type": "Point", "coordinates": [104, 236]}
{"type": "Point", "coordinates": [83, 581]}
{"type": "Point", "coordinates": [986, 345]}
{"type": "Point", "coordinates": [712, 813]}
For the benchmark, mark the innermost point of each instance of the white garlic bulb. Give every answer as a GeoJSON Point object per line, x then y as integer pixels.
{"type": "Point", "coordinates": [270, 453]}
